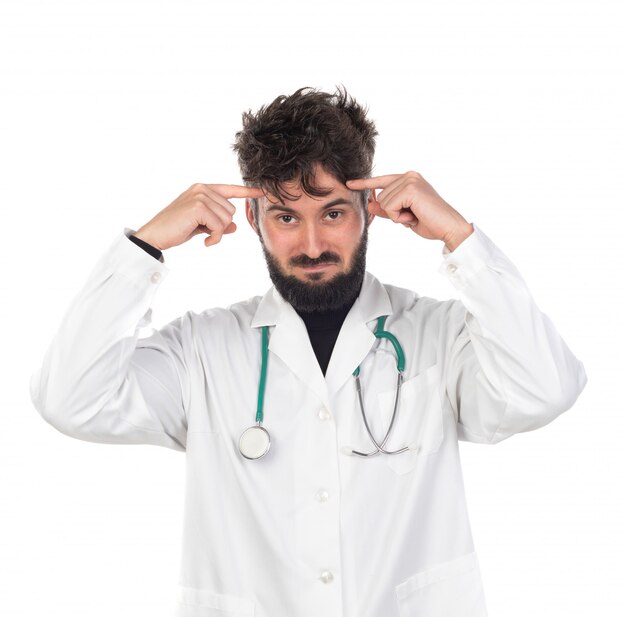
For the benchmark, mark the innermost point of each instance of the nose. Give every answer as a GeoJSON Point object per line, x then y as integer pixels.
{"type": "Point", "coordinates": [313, 241]}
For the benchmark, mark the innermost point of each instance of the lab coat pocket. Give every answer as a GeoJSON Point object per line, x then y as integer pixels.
{"type": "Point", "coordinates": [205, 603]}
{"type": "Point", "coordinates": [451, 589]}
{"type": "Point", "coordinates": [418, 423]}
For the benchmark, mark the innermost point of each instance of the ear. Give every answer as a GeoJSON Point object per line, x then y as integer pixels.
{"type": "Point", "coordinates": [372, 208]}
{"type": "Point", "coordinates": [250, 216]}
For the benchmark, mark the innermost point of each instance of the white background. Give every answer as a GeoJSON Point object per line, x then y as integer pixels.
{"type": "Point", "coordinates": [513, 111]}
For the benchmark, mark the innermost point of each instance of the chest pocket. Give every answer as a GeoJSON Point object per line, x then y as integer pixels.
{"type": "Point", "coordinates": [418, 423]}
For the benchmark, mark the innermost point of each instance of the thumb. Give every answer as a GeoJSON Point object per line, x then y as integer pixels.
{"type": "Point", "coordinates": [373, 207]}
{"type": "Point", "coordinates": [232, 227]}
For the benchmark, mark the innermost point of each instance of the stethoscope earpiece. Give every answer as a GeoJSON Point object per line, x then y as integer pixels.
{"type": "Point", "coordinates": [379, 447]}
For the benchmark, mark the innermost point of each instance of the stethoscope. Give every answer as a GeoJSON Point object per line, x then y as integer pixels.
{"type": "Point", "coordinates": [255, 441]}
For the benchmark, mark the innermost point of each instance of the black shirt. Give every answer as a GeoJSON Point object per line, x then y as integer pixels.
{"type": "Point", "coordinates": [323, 328]}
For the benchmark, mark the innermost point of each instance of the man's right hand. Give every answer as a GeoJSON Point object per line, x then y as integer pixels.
{"type": "Point", "coordinates": [202, 208]}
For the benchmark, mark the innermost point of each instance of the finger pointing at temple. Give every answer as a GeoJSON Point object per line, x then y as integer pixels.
{"type": "Point", "coordinates": [235, 190]}
{"type": "Point", "coordinates": [378, 182]}
{"type": "Point", "coordinates": [202, 208]}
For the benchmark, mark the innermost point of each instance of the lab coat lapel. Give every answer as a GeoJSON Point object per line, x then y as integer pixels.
{"type": "Point", "coordinates": [356, 337]}
{"type": "Point", "coordinates": [289, 340]}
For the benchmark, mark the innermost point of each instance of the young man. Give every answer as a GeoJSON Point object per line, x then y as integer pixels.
{"type": "Point", "coordinates": [320, 421]}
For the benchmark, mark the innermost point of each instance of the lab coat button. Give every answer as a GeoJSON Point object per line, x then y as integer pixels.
{"type": "Point", "coordinates": [451, 268]}
{"type": "Point", "coordinates": [323, 414]}
{"type": "Point", "coordinates": [321, 495]}
{"type": "Point", "coordinates": [326, 576]}
{"type": "Point", "coordinates": [156, 277]}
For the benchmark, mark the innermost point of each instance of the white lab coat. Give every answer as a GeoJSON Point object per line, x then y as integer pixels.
{"type": "Point", "coordinates": [309, 530]}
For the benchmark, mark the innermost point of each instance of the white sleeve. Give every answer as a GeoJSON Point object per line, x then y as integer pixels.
{"type": "Point", "coordinates": [99, 381]}
{"type": "Point", "coordinates": [508, 370]}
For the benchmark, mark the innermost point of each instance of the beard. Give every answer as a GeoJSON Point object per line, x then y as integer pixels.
{"type": "Point", "coordinates": [316, 297]}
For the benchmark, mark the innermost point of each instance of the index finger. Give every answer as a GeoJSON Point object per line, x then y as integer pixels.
{"type": "Point", "coordinates": [378, 182]}
{"type": "Point", "coordinates": [236, 190]}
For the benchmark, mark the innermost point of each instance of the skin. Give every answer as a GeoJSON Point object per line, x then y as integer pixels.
{"type": "Point", "coordinates": [202, 208]}
{"type": "Point", "coordinates": [409, 200]}
{"type": "Point", "coordinates": [308, 228]}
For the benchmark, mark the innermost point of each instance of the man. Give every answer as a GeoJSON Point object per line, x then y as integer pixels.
{"type": "Point", "coordinates": [348, 500]}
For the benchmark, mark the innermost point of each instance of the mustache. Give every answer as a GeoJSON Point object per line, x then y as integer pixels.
{"type": "Point", "coordinates": [327, 257]}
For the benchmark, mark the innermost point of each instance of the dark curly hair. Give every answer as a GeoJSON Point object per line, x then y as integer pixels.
{"type": "Point", "coordinates": [285, 139]}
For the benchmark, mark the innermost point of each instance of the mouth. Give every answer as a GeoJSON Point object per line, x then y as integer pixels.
{"type": "Point", "coordinates": [317, 267]}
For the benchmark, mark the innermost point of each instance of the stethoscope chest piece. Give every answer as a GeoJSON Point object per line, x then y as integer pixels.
{"type": "Point", "coordinates": [254, 442]}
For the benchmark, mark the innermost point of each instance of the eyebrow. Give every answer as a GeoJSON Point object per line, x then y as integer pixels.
{"type": "Point", "coordinates": [335, 202]}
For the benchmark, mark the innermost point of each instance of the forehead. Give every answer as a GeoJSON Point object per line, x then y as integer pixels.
{"type": "Point", "coordinates": [322, 180]}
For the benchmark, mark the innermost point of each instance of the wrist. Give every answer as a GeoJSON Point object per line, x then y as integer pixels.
{"type": "Point", "coordinates": [453, 240]}
{"type": "Point", "coordinates": [155, 252]}
{"type": "Point", "coordinates": [145, 236]}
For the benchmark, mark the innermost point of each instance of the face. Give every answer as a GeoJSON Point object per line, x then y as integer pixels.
{"type": "Point", "coordinates": [314, 246]}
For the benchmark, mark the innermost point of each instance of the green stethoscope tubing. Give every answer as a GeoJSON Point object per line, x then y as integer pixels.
{"type": "Point", "coordinates": [381, 333]}
{"type": "Point", "coordinates": [255, 441]}
{"type": "Point", "coordinates": [257, 450]}
{"type": "Point", "coordinates": [264, 354]}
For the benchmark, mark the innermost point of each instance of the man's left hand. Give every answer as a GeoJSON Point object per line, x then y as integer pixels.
{"type": "Point", "coordinates": [408, 199]}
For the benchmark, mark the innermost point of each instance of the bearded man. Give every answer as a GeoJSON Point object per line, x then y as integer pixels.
{"type": "Point", "coordinates": [320, 422]}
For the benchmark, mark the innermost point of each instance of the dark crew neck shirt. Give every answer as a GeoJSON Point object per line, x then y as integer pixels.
{"type": "Point", "coordinates": [322, 326]}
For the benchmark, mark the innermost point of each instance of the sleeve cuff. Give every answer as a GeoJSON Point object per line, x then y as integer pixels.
{"type": "Point", "coordinates": [152, 250]}
{"type": "Point", "coordinates": [471, 256]}
{"type": "Point", "coordinates": [133, 262]}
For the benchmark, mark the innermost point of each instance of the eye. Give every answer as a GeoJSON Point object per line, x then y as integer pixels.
{"type": "Point", "coordinates": [334, 214]}
{"type": "Point", "coordinates": [285, 218]}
